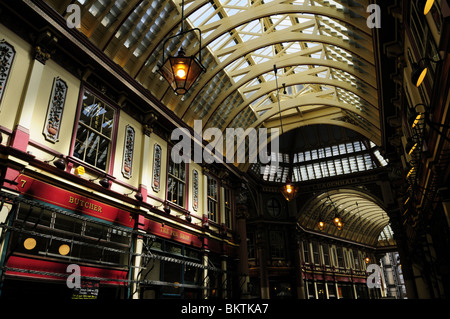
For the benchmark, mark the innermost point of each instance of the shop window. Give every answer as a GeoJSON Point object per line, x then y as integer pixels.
{"type": "Point", "coordinates": [316, 253]}
{"type": "Point", "coordinates": [227, 205]}
{"type": "Point", "coordinates": [311, 290]}
{"type": "Point", "coordinates": [340, 257]}
{"type": "Point", "coordinates": [334, 257]}
{"type": "Point", "coordinates": [326, 255]}
{"type": "Point", "coordinates": [63, 236]}
{"type": "Point", "coordinates": [321, 291]}
{"type": "Point", "coordinates": [351, 260]}
{"type": "Point", "coordinates": [346, 261]}
{"type": "Point", "coordinates": [176, 182]}
{"type": "Point", "coordinates": [331, 291]}
{"type": "Point", "coordinates": [213, 198]}
{"type": "Point", "coordinates": [306, 258]}
{"type": "Point", "coordinates": [356, 260]}
{"type": "Point", "coordinates": [95, 130]}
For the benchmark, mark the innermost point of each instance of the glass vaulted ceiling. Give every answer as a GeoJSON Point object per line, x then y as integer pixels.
{"type": "Point", "coordinates": [323, 51]}
{"type": "Point", "coordinates": [365, 221]}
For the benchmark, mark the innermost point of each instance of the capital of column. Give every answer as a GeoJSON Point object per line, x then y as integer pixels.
{"type": "Point", "coordinates": [45, 46]}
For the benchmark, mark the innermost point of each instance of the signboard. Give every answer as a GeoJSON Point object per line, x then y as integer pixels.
{"type": "Point", "coordinates": [87, 290]}
{"type": "Point", "coordinates": [171, 233]}
{"type": "Point", "coordinates": [72, 201]}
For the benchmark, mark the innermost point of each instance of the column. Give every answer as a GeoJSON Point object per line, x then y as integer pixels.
{"type": "Point", "coordinates": [241, 216]}
{"type": "Point", "coordinates": [300, 285]}
{"type": "Point", "coordinates": [139, 243]}
{"type": "Point", "coordinates": [224, 277]}
{"type": "Point", "coordinates": [262, 255]}
{"type": "Point", "coordinates": [205, 275]}
{"type": "Point", "coordinates": [21, 134]}
{"type": "Point", "coordinates": [146, 163]}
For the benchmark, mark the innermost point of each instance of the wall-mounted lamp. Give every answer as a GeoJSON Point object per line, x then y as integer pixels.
{"type": "Point", "coordinates": [59, 163]}
{"type": "Point", "coordinates": [188, 217]}
{"type": "Point", "coordinates": [166, 209]}
{"type": "Point", "coordinates": [103, 182]}
{"type": "Point", "coordinates": [419, 70]}
{"type": "Point", "coordinates": [424, 5]}
{"type": "Point", "coordinates": [411, 146]}
{"type": "Point", "coordinates": [422, 116]}
{"type": "Point", "coordinates": [138, 196]}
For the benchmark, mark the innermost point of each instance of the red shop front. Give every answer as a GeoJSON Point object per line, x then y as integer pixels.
{"type": "Point", "coordinates": [53, 235]}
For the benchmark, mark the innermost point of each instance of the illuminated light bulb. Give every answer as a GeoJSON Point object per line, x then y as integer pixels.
{"type": "Point", "coordinates": [181, 71]}
{"type": "Point", "coordinates": [321, 225]}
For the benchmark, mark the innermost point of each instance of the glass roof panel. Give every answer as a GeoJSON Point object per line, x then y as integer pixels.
{"type": "Point", "coordinates": [321, 48]}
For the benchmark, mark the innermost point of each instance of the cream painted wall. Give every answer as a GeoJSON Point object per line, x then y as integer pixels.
{"type": "Point", "coordinates": [125, 120]}
{"type": "Point", "coordinates": [51, 71]}
{"type": "Point", "coordinates": [15, 87]}
{"type": "Point", "coordinates": [9, 114]}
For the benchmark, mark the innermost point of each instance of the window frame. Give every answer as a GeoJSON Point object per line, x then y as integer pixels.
{"type": "Point", "coordinates": [177, 179]}
{"type": "Point", "coordinates": [114, 130]}
{"type": "Point", "coordinates": [210, 199]}
{"type": "Point", "coordinates": [228, 208]}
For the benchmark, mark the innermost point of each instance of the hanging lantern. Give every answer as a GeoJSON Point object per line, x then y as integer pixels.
{"type": "Point", "coordinates": [321, 224]}
{"type": "Point", "coordinates": [181, 71]}
{"type": "Point", "coordinates": [338, 222]}
{"type": "Point", "coordinates": [289, 190]}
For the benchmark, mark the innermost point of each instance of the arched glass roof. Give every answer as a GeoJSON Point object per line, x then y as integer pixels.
{"type": "Point", "coordinates": [364, 219]}
{"type": "Point", "coordinates": [319, 151]}
{"type": "Point", "coordinates": [322, 49]}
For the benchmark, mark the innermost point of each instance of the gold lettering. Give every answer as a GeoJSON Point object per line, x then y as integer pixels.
{"type": "Point", "coordinates": [85, 204]}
